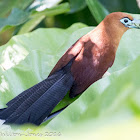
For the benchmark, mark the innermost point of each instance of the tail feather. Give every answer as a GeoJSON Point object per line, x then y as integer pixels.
{"type": "Point", "coordinates": [25, 94]}
{"type": "Point", "coordinates": [38, 111]}
{"type": "Point", "coordinates": [36, 103]}
{"type": "Point", "coordinates": [22, 102]}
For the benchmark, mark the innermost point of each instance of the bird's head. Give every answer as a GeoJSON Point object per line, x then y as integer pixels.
{"type": "Point", "coordinates": [122, 20]}
{"type": "Point", "coordinates": [117, 23]}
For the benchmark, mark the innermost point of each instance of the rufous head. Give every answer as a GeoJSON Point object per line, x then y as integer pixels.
{"type": "Point", "coordinates": [121, 20]}
{"type": "Point", "coordinates": [116, 24]}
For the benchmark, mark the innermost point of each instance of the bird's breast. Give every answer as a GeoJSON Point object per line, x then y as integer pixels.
{"type": "Point", "coordinates": [90, 65]}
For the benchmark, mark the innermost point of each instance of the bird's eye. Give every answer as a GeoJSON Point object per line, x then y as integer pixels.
{"type": "Point", "coordinates": [125, 20]}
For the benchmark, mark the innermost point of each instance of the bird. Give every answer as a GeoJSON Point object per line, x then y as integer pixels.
{"type": "Point", "coordinates": [84, 63]}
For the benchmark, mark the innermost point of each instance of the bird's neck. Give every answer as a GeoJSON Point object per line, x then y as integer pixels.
{"type": "Point", "coordinates": [113, 34]}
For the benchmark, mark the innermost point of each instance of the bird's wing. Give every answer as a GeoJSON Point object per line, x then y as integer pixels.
{"type": "Point", "coordinates": [72, 52]}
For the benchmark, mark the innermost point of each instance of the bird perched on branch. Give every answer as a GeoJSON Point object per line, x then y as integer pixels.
{"type": "Point", "coordinates": [84, 63]}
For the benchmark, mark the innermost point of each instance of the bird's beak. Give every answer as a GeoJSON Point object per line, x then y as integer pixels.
{"type": "Point", "coordinates": [135, 23]}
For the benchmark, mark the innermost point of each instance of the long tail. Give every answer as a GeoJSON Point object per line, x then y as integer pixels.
{"type": "Point", "coordinates": [35, 104]}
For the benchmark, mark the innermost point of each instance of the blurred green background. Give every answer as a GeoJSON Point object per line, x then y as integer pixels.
{"type": "Point", "coordinates": [37, 33]}
{"type": "Point", "coordinates": [22, 16]}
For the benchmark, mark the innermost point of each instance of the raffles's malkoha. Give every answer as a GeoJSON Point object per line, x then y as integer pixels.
{"type": "Point", "coordinates": [84, 62]}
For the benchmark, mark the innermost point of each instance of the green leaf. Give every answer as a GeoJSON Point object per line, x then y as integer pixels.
{"type": "Point", "coordinates": [121, 5]}
{"type": "Point", "coordinates": [7, 5]}
{"type": "Point", "coordinates": [41, 49]}
{"type": "Point", "coordinates": [97, 10]}
{"type": "Point", "coordinates": [62, 8]}
{"type": "Point", "coordinates": [17, 17]}
{"type": "Point", "coordinates": [31, 24]}
{"type": "Point", "coordinates": [77, 5]}
{"type": "Point", "coordinates": [112, 98]}
{"type": "Point", "coordinates": [27, 59]}
{"type": "Point", "coordinates": [37, 17]}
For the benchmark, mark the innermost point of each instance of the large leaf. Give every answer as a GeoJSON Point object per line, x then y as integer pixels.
{"type": "Point", "coordinates": [52, 43]}
{"type": "Point", "coordinates": [113, 99]}
{"type": "Point", "coordinates": [97, 10]}
{"type": "Point", "coordinates": [16, 18]}
{"type": "Point", "coordinates": [77, 5]}
{"type": "Point", "coordinates": [121, 5]}
{"type": "Point", "coordinates": [7, 5]}
{"type": "Point", "coordinates": [37, 17]}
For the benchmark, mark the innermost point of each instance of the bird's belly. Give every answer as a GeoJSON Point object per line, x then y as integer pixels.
{"type": "Point", "coordinates": [84, 75]}
{"type": "Point", "coordinates": [86, 72]}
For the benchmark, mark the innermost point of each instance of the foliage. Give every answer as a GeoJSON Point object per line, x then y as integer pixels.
{"type": "Point", "coordinates": [109, 106]}
{"type": "Point", "coordinates": [24, 16]}
{"type": "Point", "coordinates": [99, 12]}
{"type": "Point", "coordinates": [27, 15]}
{"type": "Point", "coordinates": [113, 98]}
